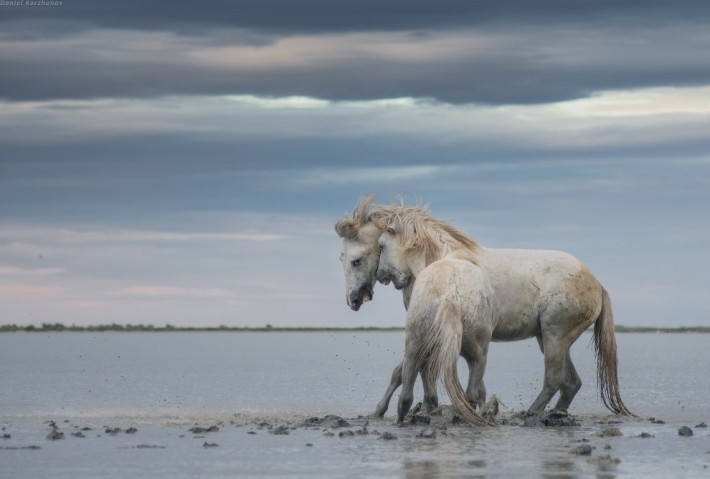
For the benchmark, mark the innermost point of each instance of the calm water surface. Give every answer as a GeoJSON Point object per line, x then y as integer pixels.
{"type": "Point", "coordinates": [162, 383]}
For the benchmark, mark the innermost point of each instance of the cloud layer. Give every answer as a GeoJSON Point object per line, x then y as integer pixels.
{"type": "Point", "coordinates": [169, 162]}
{"type": "Point", "coordinates": [456, 52]}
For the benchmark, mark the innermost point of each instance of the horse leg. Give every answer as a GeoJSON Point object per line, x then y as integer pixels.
{"type": "Point", "coordinates": [476, 356]}
{"type": "Point", "coordinates": [395, 382]}
{"type": "Point", "coordinates": [406, 397]}
{"type": "Point", "coordinates": [570, 387]}
{"type": "Point", "coordinates": [555, 371]}
{"type": "Point", "coordinates": [474, 349]}
{"type": "Point", "coordinates": [431, 400]}
{"type": "Point", "coordinates": [476, 389]}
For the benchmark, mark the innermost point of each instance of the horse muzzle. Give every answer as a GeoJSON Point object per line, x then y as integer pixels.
{"type": "Point", "coordinates": [360, 297]}
{"type": "Point", "coordinates": [398, 281]}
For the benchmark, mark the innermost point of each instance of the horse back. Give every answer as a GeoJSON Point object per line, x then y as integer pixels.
{"type": "Point", "coordinates": [454, 280]}
{"type": "Point", "coordinates": [534, 284]}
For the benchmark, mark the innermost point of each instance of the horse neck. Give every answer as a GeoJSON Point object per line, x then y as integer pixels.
{"type": "Point", "coordinates": [417, 263]}
{"type": "Point", "coordinates": [407, 294]}
{"type": "Point", "coordinates": [463, 254]}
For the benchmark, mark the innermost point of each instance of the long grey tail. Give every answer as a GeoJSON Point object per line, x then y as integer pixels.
{"type": "Point", "coordinates": [440, 352]}
{"type": "Point", "coordinates": [605, 351]}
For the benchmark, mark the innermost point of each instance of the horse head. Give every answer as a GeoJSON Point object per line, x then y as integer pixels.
{"type": "Point", "coordinates": [393, 266]}
{"type": "Point", "coordinates": [360, 253]}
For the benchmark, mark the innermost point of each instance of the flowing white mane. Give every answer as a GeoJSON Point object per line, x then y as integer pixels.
{"type": "Point", "coordinates": [420, 233]}
{"type": "Point", "coordinates": [350, 226]}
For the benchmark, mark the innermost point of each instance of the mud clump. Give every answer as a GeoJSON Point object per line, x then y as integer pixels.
{"type": "Point", "coordinates": [685, 431]}
{"type": "Point", "coordinates": [416, 416]}
{"type": "Point", "coordinates": [609, 432]}
{"type": "Point", "coordinates": [445, 415]}
{"type": "Point", "coordinates": [280, 431]}
{"type": "Point", "coordinates": [548, 419]}
{"type": "Point", "coordinates": [55, 435]}
{"type": "Point", "coordinates": [388, 436]}
{"type": "Point", "coordinates": [491, 408]}
{"type": "Point", "coordinates": [583, 450]}
{"type": "Point", "coordinates": [202, 430]}
{"type": "Point", "coordinates": [427, 433]}
{"type": "Point", "coordinates": [330, 421]}
{"type": "Point", "coordinates": [559, 419]}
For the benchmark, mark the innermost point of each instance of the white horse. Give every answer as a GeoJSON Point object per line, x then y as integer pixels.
{"type": "Point", "coordinates": [451, 312]}
{"type": "Point", "coordinates": [548, 295]}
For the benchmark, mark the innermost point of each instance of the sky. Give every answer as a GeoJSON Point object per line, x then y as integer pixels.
{"type": "Point", "coordinates": [172, 162]}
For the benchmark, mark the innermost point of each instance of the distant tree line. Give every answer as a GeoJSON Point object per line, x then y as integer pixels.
{"type": "Point", "coordinates": [59, 327]}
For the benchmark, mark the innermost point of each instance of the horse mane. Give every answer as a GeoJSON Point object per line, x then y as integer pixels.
{"type": "Point", "coordinates": [349, 226]}
{"type": "Point", "coordinates": [420, 233]}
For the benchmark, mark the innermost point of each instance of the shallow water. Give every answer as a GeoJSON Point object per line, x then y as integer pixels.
{"type": "Point", "coordinates": [163, 383]}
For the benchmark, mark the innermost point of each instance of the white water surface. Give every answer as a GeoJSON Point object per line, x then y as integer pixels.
{"type": "Point", "coordinates": [163, 383]}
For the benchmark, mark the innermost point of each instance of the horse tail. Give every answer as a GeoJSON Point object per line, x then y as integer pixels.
{"type": "Point", "coordinates": [605, 351]}
{"type": "Point", "coordinates": [440, 352]}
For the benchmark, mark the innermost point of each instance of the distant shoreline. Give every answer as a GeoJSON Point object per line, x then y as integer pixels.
{"type": "Point", "coordinates": [44, 328]}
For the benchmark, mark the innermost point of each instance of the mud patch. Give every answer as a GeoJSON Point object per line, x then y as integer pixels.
{"type": "Point", "coordinates": [329, 421]}
{"type": "Point", "coordinates": [545, 419]}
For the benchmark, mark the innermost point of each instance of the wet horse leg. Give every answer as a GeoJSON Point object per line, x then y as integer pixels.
{"type": "Point", "coordinates": [476, 356]}
{"type": "Point", "coordinates": [560, 374]}
{"type": "Point", "coordinates": [406, 397]}
{"type": "Point", "coordinates": [570, 387]}
{"type": "Point", "coordinates": [431, 401]}
{"type": "Point", "coordinates": [395, 382]}
{"type": "Point", "coordinates": [429, 377]}
{"type": "Point", "coordinates": [555, 352]}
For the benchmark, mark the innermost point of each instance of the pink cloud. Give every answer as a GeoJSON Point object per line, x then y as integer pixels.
{"type": "Point", "coordinates": [23, 291]}
{"type": "Point", "coordinates": [174, 292]}
{"type": "Point", "coordinates": [14, 271]}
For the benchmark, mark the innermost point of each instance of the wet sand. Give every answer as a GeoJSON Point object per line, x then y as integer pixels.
{"type": "Point", "coordinates": [127, 405]}
{"type": "Point", "coordinates": [433, 446]}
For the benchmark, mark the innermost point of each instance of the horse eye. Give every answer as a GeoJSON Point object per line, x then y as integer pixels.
{"type": "Point", "coordinates": [356, 263]}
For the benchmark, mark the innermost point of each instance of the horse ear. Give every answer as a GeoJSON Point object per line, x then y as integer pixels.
{"type": "Point", "coordinates": [346, 229]}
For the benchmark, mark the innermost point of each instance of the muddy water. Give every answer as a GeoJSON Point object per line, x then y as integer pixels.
{"type": "Point", "coordinates": [259, 389]}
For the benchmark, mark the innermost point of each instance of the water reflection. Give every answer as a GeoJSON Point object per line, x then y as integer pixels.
{"type": "Point", "coordinates": [444, 468]}
{"type": "Point", "coordinates": [422, 469]}
{"type": "Point", "coordinates": [559, 468]}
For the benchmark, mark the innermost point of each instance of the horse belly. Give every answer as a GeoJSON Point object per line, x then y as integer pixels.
{"type": "Point", "coordinates": [516, 328]}
{"type": "Point", "coordinates": [518, 308]}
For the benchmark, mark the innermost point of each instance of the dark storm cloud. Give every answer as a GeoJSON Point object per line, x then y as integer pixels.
{"type": "Point", "coordinates": [455, 52]}
{"type": "Point", "coordinates": [309, 16]}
